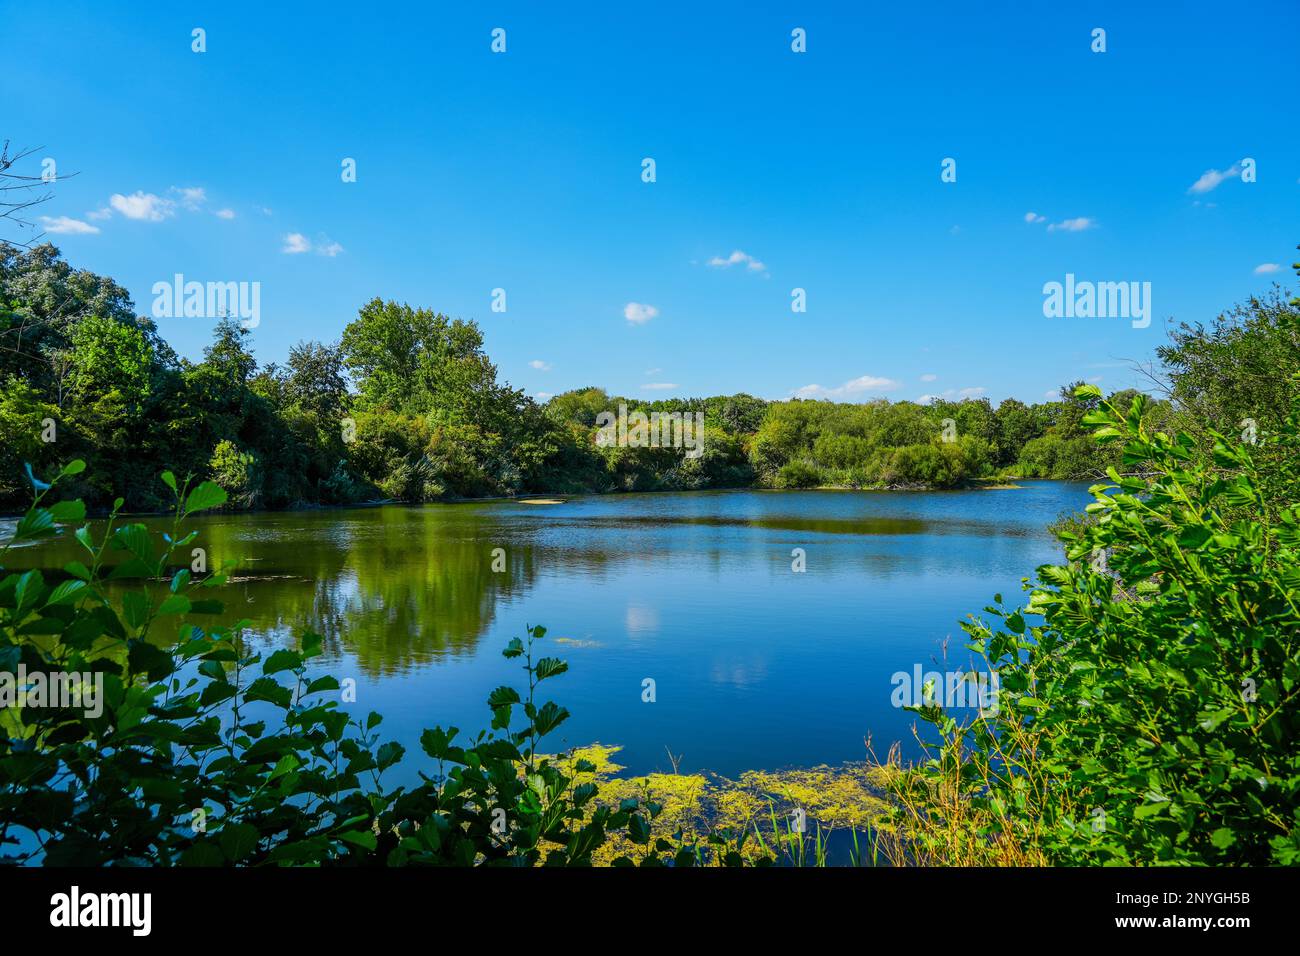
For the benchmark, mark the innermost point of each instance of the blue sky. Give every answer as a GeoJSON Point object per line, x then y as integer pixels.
{"type": "Point", "coordinates": [522, 171]}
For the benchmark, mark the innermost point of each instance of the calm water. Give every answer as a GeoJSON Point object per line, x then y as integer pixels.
{"type": "Point", "coordinates": [755, 666]}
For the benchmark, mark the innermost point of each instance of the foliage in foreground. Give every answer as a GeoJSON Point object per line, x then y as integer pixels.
{"type": "Point", "coordinates": [204, 753]}
{"type": "Point", "coordinates": [1152, 717]}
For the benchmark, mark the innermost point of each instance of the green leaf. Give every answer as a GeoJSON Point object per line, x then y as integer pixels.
{"type": "Point", "coordinates": [1223, 838]}
{"type": "Point", "coordinates": [503, 695]}
{"type": "Point", "coordinates": [1194, 537]}
{"type": "Point", "coordinates": [135, 608]}
{"type": "Point", "coordinates": [550, 667]}
{"type": "Point", "coordinates": [65, 592]}
{"type": "Point", "coordinates": [205, 496]}
{"type": "Point", "coordinates": [362, 838]}
{"type": "Point", "coordinates": [152, 661]}
{"type": "Point", "coordinates": [175, 604]}
{"type": "Point", "coordinates": [68, 512]}
{"type": "Point", "coordinates": [265, 688]}
{"type": "Point", "coordinates": [83, 535]}
{"type": "Point", "coordinates": [437, 742]}
{"type": "Point", "coordinates": [134, 539]}
{"type": "Point", "coordinates": [286, 764]}
{"type": "Point", "coordinates": [322, 683]}
{"type": "Point", "coordinates": [388, 754]}
{"type": "Point", "coordinates": [549, 716]}
{"type": "Point", "coordinates": [281, 660]}
{"type": "Point", "coordinates": [37, 523]}
{"type": "Point", "coordinates": [238, 840]}
{"type": "Point", "coordinates": [203, 853]}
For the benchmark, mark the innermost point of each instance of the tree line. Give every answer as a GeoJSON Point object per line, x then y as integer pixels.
{"type": "Point", "coordinates": [407, 406]}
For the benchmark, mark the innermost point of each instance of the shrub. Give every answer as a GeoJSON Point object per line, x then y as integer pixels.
{"type": "Point", "coordinates": [1152, 716]}
{"type": "Point", "coordinates": [798, 474]}
{"type": "Point", "coordinates": [236, 470]}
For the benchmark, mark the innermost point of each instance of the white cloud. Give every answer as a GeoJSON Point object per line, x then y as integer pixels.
{"type": "Point", "coordinates": [660, 386]}
{"type": "Point", "coordinates": [1078, 224]}
{"type": "Point", "coordinates": [225, 214]}
{"type": "Point", "coordinates": [142, 205]}
{"type": "Point", "coordinates": [1212, 177]}
{"type": "Point", "coordinates": [149, 207]}
{"type": "Point", "coordinates": [295, 243]}
{"type": "Point", "coordinates": [1053, 395]}
{"type": "Point", "coordinates": [540, 365]}
{"type": "Point", "coordinates": [971, 392]}
{"type": "Point", "coordinates": [653, 371]}
{"type": "Point", "coordinates": [861, 385]}
{"type": "Point", "coordinates": [639, 313]}
{"type": "Point", "coordinates": [67, 226]}
{"type": "Point", "coordinates": [738, 258]}
{"type": "Point", "coordinates": [929, 377]}
{"type": "Point", "coordinates": [192, 197]}
{"type": "Point", "coordinates": [543, 395]}
{"type": "Point", "coordinates": [1265, 268]}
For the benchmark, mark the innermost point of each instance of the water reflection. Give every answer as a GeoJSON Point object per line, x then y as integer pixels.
{"type": "Point", "coordinates": [756, 665]}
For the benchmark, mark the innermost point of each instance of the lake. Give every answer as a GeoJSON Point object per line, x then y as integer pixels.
{"type": "Point", "coordinates": [754, 664]}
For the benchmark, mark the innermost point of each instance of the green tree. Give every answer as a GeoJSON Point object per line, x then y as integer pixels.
{"type": "Point", "coordinates": [111, 357]}
{"type": "Point", "coordinates": [1237, 369]}
{"type": "Point", "coordinates": [236, 470]}
{"type": "Point", "coordinates": [417, 361]}
{"type": "Point", "coordinates": [1015, 425]}
{"type": "Point", "coordinates": [314, 379]}
{"type": "Point", "coordinates": [43, 300]}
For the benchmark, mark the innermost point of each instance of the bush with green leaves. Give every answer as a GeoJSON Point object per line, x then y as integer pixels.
{"type": "Point", "coordinates": [1152, 717]}
{"type": "Point", "coordinates": [201, 751]}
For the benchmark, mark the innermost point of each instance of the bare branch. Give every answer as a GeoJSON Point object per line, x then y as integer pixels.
{"type": "Point", "coordinates": [13, 181]}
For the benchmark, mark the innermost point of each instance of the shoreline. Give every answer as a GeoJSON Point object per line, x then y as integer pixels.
{"type": "Point", "coordinates": [554, 497]}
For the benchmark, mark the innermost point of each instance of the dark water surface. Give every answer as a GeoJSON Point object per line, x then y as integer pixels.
{"type": "Point", "coordinates": [755, 666]}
